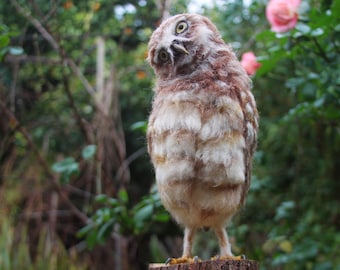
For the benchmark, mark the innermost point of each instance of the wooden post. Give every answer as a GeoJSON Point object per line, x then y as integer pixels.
{"type": "Point", "coordinates": [209, 265]}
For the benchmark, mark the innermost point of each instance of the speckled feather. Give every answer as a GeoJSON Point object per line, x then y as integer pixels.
{"type": "Point", "coordinates": [203, 126]}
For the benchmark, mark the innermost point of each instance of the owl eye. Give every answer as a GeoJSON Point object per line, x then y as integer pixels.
{"type": "Point", "coordinates": [163, 55]}
{"type": "Point", "coordinates": [181, 27]}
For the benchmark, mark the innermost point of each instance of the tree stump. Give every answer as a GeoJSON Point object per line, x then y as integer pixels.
{"type": "Point", "coordinates": [209, 265]}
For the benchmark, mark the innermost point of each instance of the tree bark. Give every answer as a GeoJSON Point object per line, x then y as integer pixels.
{"type": "Point", "coordinates": [209, 265]}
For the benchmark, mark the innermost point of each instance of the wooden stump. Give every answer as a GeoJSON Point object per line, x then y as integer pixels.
{"type": "Point", "coordinates": [209, 265]}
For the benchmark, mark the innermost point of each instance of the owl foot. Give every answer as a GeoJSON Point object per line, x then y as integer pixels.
{"type": "Point", "coordinates": [226, 257]}
{"type": "Point", "coordinates": [184, 259]}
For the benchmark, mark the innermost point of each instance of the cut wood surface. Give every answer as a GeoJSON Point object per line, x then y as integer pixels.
{"type": "Point", "coordinates": [209, 265]}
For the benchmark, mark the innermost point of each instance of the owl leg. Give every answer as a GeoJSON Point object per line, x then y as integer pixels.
{"type": "Point", "coordinates": [223, 240]}
{"type": "Point", "coordinates": [225, 247]}
{"type": "Point", "coordinates": [188, 239]}
{"type": "Point", "coordinates": [187, 257]}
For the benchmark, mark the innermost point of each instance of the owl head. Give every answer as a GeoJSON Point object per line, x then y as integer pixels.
{"type": "Point", "coordinates": [181, 44]}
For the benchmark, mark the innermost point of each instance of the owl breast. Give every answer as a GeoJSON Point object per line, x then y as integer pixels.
{"type": "Point", "coordinates": [197, 147]}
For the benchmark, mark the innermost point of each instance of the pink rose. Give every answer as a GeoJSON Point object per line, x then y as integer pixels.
{"type": "Point", "coordinates": [249, 63]}
{"type": "Point", "coordinates": [282, 14]}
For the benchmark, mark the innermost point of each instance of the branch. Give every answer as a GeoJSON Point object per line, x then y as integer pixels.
{"type": "Point", "coordinates": [31, 59]}
{"type": "Point", "coordinates": [128, 161]}
{"type": "Point", "coordinates": [75, 69]}
{"type": "Point", "coordinates": [71, 64]}
{"type": "Point", "coordinates": [37, 25]}
{"type": "Point", "coordinates": [77, 115]}
{"type": "Point", "coordinates": [42, 162]}
{"type": "Point", "coordinates": [55, 45]}
{"type": "Point", "coordinates": [322, 53]}
{"type": "Point", "coordinates": [164, 8]}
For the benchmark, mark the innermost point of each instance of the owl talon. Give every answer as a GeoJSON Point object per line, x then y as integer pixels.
{"type": "Point", "coordinates": [168, 260]}
{"type": "Point", "coordinates": [215, 258]}
{"type": "Point", "coordinates": [226, 257]}
{"type": "Point", "coordinates": [184, 259]}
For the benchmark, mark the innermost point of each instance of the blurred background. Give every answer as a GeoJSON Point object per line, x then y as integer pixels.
{"type": "Point", "coordinates": [76, 183]}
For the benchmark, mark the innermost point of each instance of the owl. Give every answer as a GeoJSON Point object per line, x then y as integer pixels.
{"type": "Point", "coordinates": [202, 129]}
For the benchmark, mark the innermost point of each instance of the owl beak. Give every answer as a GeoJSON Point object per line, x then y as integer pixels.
{"type": "Point", "coordinates": [179, 48]}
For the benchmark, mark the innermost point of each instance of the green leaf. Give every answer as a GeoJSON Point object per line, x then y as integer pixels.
{"type": "Point", "coordinates": [144, 212]}
{"type": "Point", "coordinates": [284, 209]}
{"type": "Point", "coordinates": [271, 62]}
{"type": "Point", "coordinates": [16, 50]}
{"type": "Point", "coordinates": [101, 198]}
{"type": "Point", "coordinates": [303, 28]}
{"type": "Point", "coordinates": [89, 151]}
{"type": "Point", "coordinates": [319, 102]}
{"type": "Point", "coordinates": [123, 196]}
{"type": "Point", "coordinates": [4, 40]}
{"type": "Point", "coordinates": [293, 83]}
{"type": "Point", "coordinates": [112, 202]}
{"type": "Point", "coordinates": [67, 168]}
{"type": "Point", "coordinates": [85, 230]}
{"type": "Point", "coordinates": [140, 125]}
{"type": "Point", "coordinates": [309, 90]}
{"type": "Point", "coordinates": [317, 32]}
{"type": "Point", "coordinates": [105, 230]}
{"type": "Point", "coordinates": [91, 239]}
{"type": "Point", "coordinates": [64, 165]}
{"type": "Point", "coordinates": [162, 217]}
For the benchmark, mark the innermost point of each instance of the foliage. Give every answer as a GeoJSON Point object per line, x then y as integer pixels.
{"type": "Point", "coordinates": [52, 135]}
{"type": "Point", "coordinates": [310, 132]}
{"type": "Point", "coordinates": [5, 36]}
{"type": "Point", "coordinates": [116, 216]}
{"type": "Point", "coordinates": [15, 251]}
{"type": "Point", "coordinates": [68, 166]}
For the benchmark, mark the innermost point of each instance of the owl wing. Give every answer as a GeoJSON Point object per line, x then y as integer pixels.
{"type": "Point", "coordinates": [201, 136]}
{"type": "Point", "coordinates": [173, 125]}
{"type": "Point", "coordinates": [250, 134]}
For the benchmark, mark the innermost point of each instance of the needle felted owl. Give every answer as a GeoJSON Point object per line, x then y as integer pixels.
{"type": "Point", "coordinates": [202, 129]}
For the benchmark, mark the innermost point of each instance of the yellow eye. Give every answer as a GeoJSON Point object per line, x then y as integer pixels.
{"type": "Point", "coordinates": [181, 27]}
{"type": "Point", "coordinates": [163, 55]}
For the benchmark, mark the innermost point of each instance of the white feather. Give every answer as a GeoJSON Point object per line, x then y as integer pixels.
{"type": "Point", "coordinates": [175, 170]}
{"type": "Point", "coordinates": [180, 146]}
{"type": "Point", "coordinates": [210, 130]}
{"type": "Point", "coordinates": [249, 109]}
{"type": "Point", "coordinates": [231, 105]}
{"type": "Point", "coordinates": [174, 117]}
{"type": "Point", "coordinates": [226, 153]}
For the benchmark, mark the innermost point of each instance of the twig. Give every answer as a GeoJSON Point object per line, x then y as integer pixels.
{"type": "Point", "coordinates": [51, 12]}
{"type": "Point", "coordinates": [75, 69]}
{"type": "Point", "coordinates": [66, 60]}
{"type": "Point", "coordinates": [31, 59]}
{"type": "Point", "coordinates": [321, 51]}
{"type": "Point", "coordinates": [55, 45]}
{"type": "Point", "coordinates": [40, 214]}
{"type": "Point", "coordinates": [37, 25]}
{"type": "Point", "coordinates": [42, 162]}
{"type": "Point", "coordinates": [81, 77]}
{"type": "Point", "coordinates": [78, 191]}
{"type": "Point", "coordinates": [13, 86]}
{"type": "Point", "coordinates": [79, 119]}
{"type": "Point", "coordinates": [164, 8]}
{"type": "Point", "coordinates": [129, 160]}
